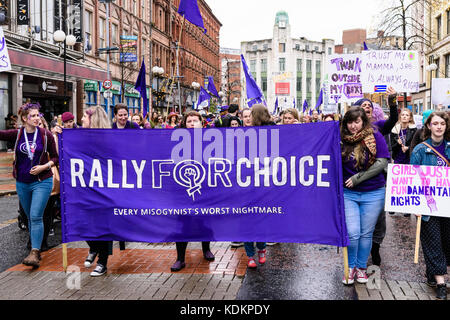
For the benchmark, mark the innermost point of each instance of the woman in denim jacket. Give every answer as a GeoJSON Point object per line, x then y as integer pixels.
{"type": "Point", "coordinates": [435, 231]}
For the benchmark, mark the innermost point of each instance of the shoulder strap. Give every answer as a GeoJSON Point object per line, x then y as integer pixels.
{"type": "Point", "coordinates": [437, 153]}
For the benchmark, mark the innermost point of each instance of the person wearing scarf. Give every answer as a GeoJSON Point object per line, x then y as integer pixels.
{"type": "Point", "coordinates": [365, 155]}
{"type": "Point", "coordinates": [375, 115]}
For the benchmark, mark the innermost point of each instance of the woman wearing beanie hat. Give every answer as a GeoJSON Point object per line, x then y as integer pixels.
{"type": "Point", "coordinates": [68, 120]}
{"type": "Point", "coordinates": [384, 126]}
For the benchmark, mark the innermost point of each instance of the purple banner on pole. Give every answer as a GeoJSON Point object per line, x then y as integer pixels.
{"type": "Point", "coordinates": [266, 184]}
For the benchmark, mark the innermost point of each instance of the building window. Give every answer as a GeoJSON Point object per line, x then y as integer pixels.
{"type": "Point", "coordinates": [265, 46]}
{"type": "Point", "coordinates": [299, 65]}
{"type": "Point", "coordinates": [297, 47]}
{"type": "Point", "coordinates": [263, 65]}
{"type": "Point", "coordinates": [299, 84]}
{"type": "Point", "coordinates": [438, 67]}
{"type": "Point", "coordinates": [317, 87]}
{"type": "Point", "coordinates": [252, 65]}
{"type": "Point", "coordinates": [88, 27]}
{"type": "Point", "coordinates": [102, 32]}
{"type": "Point", "coordinates": [114, 41]}
{"type": "Point", "coordinates": [329, 51]}
{"type": "Point", "coordinates": [318, 67]}
{"type": "Point", "coordinates": [255, 47]}
{"type": "Point", "coordinates": [308, 85]}
{"type": "Point", "coordinates": [308, 66]}
{"type": "Point", "coordinates": [448, 21]}
{"type": "Point", "coordinates": [282, 47]}
{"type": "Point", "coordinates": [282, 63]}
{"type": "Point", "coordinates": [316, 49]}
{"type": "Point", "coordinates": [264, 84]}
{"type": "Point", "coordinates": [447, 66]}
{"type": "Point", "coordinates": [91, 98]}
{"type": "Point", "coordinates": [438, 27]}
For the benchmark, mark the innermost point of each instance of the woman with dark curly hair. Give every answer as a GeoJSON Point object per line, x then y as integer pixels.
{"type": "Point", "coordinates": [365, 155]}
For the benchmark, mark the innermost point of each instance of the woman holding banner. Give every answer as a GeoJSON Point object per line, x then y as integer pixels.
{"type": "Point", "coordinates": [96, 118]}
{"type": "Point", "coordinates": [435, 231]}
{"type": "Point", "coordinates": [34, 156]}
{"type": "Point", "coordinates": [191, 120]}
{"type": "Point", "coordinates": [365, 155]}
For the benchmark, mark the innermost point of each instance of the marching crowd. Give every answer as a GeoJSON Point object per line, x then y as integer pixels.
{"type": "Point", "coordinates": [369, 141]}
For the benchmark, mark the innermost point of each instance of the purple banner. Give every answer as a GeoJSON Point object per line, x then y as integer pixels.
{"type": "Point", "coordinates": [266, 184]}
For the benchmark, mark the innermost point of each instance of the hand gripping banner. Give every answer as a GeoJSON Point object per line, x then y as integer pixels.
{"type": "Point", "coordinates": [266, 184]}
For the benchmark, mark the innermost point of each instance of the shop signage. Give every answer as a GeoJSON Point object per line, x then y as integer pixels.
{"type": "Point", "coordinates": [115, 89]}
{"type": "Point", "coordinates": [129, 48]}
{"type": "Point", "coordinates": [130, 91]}
{"type": "Point", "coordinates": [74, 19]}
{"type": "Point", "coordinates": [90, 85]}
{"type": "Point", "coordinates": [22, 12]}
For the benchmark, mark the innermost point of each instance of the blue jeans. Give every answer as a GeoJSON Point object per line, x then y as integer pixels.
{"type": "Point", "coordinates": [34, 197]}
{"type": "Point", "coordinates": [250, 248]}
{"type": "Point", "coordinates": [361, 214]}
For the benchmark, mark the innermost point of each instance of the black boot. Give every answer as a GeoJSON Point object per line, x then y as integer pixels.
{"type": "Point", "coordinates": [375, 252]}
{"type": "Point", "coordinates": [441, 291]}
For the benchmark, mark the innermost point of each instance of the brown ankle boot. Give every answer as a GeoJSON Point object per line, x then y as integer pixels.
{"type": "Point", "coordinates": [32, 259]}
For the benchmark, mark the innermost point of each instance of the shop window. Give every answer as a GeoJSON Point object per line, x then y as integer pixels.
{"type": "Point", "coordinates": [91, 98]}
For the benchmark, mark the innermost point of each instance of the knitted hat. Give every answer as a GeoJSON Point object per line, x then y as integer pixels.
{"type": "Point", "coordinates": [377, 113]}
{"type": "Point", "coordinates": [361, 101]}
{"type": "Point", "coordinates": [425, 115]}
{"type": "Point", "coordinates": [66, 116]}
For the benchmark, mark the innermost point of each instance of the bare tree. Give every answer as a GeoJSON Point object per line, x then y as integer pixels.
{"type": "Point", "coordinates": [401, 19]}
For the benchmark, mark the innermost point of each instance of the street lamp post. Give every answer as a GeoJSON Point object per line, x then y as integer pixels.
{"type": "Point", "coordinates": [69, 40]}
{"type": "Point", "coordinates": [196, 87]}
{"type": "Point", "coordinates": [158, 72]}
{"type": "Point", "coordinates": [432, 67]}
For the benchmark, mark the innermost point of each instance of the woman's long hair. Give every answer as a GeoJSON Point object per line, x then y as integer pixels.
{"type": "Point", "coordinates": [293, 112]}
{"type": "Point", "coordinates": [260, 115]}
{"type": "Point", "coordinates": [357, 149]}
{"type": "Point", "coordinates": [98, 118]}
{"type": "Point", "coordinates": [426, 134]}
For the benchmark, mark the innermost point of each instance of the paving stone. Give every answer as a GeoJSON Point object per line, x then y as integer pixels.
{"type": "Point", "coordinates": [387, 295]}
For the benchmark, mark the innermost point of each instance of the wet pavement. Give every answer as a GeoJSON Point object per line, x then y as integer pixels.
{"type": "Point", "coordinates": [292, 271]}
{"type": "Point", "coordinates": [298, 272]}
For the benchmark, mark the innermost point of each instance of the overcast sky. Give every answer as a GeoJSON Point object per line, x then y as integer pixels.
{"type": "Point", "coordinates": [245, 20]}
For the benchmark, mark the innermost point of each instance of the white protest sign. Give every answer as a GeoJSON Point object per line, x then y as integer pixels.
{"type": "Point", "coordinates": [390, 68]}
{"type": "Point", "coordinates": [344, 78]}
{"type": "Point", "coordinates": [5, 64]}
{"type": "Point", "coordinates": [440, 92]}
{"type": "Point", "coordinates": [421, 190]}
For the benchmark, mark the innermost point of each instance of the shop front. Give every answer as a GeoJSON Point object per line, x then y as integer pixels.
{"type": "Point", "coordinates": [48, 93]}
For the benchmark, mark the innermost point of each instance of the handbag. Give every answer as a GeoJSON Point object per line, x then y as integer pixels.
{"type": "Point", "coordinates": [438, 154]}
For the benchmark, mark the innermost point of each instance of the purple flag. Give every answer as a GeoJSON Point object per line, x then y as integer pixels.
{"type": "Point", "coordinates": [275, 110]}
{"type": "Point", "coordinates": [142, 88]}
{"type": "Point", "coordinates": [211, 87]}
{"type": "Point", "coordinates": [320, 100]}
{"type": "Point", "coordinates": [253, 91]}
{"type": "Point", "coordinates": [365, 46]}
{"type": "Point", "coordinates": [189, 9]}
{"type": "Point", "coordinates": [176, 185]}
{"type": "Point", "coordinates": [305, 106]}
{"type": "Point", "coordinates": [204, 96]}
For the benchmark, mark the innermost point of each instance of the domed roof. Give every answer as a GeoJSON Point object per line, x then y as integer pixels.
{"type": "Point", "coordinates": [282, 16]}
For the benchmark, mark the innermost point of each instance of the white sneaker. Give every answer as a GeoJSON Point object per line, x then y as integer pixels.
{"type": "Point", "coordinates": [237, 244]}
{"type": "Point", "coordinates": [351, 277]}
{"type": "Point", "coordinates": [99, 270]}
{"type": "Point", "coordinates": [90, 260]}
{"type": "Point", "coordinates": [361, 276]}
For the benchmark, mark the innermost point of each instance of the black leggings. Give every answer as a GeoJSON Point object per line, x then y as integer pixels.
{"type": "Point", "coordinates": [181, 249]}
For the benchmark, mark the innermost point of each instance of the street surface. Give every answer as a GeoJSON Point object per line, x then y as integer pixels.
{"type": "Point", "coordinates": [292, 271]}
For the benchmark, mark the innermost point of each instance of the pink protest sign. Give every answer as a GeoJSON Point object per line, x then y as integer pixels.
{"type": "Point", "coordinates": [421, 190]}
